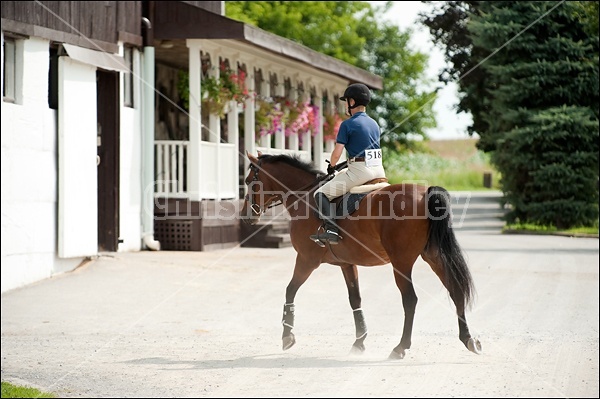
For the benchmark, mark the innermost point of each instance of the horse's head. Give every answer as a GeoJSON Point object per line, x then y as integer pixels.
{"type": "Point", "coordinates": [260, 191]}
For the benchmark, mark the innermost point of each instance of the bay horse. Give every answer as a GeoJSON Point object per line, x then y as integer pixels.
{"type": "Point", "coordinates": [395, 224]}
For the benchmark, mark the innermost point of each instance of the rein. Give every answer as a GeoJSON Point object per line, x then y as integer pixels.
{"type": "Point", "coordinates": [257, 208]}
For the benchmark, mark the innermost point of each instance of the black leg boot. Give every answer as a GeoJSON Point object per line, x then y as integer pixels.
{"type": "Point", "coordinates": [326, 213]}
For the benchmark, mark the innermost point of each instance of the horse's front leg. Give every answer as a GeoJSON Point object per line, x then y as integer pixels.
{"type": "Point", "coordinates": [302, 270]}
{"type": "Point", "coordinates": [351, 277]}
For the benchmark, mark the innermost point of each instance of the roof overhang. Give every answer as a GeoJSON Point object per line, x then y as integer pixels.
{"type": "Point", "coordinates": [178, 20]}
{"type": "Point", "coordinates": [101, 59]}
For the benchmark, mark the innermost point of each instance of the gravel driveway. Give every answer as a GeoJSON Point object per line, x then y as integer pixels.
{"type": "Point", "coordinates": [208, 324]}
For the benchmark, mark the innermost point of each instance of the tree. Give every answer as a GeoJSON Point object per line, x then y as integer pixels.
{"type": "Point", "coordinates": [357, 33]}
{"type": "Point", "coordinates": [447, 23]}
{"type": "Point", "coordinates": [543, 117]}
{"type": "Point", "coordinates": [534, 100]}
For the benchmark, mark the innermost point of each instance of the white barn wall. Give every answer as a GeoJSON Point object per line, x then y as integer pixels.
{"type": "Point", "coordinates": [29, 177]}
{"type": "Point", "coordinates": [130, 177]}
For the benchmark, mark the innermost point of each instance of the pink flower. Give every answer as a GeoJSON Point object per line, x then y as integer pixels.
{"type": "Point", "coordinates": [331, 126]}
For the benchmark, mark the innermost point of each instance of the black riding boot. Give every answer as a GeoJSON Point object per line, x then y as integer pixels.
{"type": "Point", "coordinates": [326, 213]}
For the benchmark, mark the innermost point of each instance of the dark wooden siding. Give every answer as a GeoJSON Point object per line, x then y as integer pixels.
{"type": "Point", "coordinates": [185, 225]}
{"type": "Point", "coordinates": [103, 21]}
{"type": "Point", "coordinates": [212, 6]}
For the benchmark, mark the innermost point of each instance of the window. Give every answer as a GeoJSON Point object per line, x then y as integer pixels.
{"type": "Point", "coordinates": [10, 69]}
{"type": "Point", "coordinates": [128, 77]}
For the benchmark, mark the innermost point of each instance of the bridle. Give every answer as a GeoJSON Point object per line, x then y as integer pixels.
{"type": "Point", "coordinates": [256, 208]}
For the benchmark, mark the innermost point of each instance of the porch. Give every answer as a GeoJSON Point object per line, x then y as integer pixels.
{"type": "Point", "coordinates": [200, 150]}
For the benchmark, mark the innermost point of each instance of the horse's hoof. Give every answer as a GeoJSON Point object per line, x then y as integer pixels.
{"type": "Point", "coordinates": [288, 341]}
{"type": "Point", "coordinates": [474, 345]}
{"type": "Point", "coordinates": [357, 348]}
{"type": "Point", "coordinates": [397, 355]}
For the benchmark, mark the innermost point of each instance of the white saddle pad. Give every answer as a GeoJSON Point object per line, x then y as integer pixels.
{"type": "Point", "coordinates": [365, 188]}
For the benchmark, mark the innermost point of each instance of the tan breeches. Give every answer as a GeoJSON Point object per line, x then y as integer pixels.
{"type": "Point", "coordinates": [356, 174]}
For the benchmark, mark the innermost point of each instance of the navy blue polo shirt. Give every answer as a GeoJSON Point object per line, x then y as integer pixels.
{"type": "Point", "coordinates": [358, 133]}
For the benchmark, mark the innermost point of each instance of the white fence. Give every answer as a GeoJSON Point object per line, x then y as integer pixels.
{"type": "Point", "coordinates": [219, 171]}
{"type": "Point", "coordinates": [171, 163]}
{"type": "Point", "coordinates": [219, 165]}
{"type": "Point", "coordinates": [276, 145]}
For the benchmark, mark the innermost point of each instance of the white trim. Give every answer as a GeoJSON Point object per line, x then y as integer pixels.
{"type": "Point", "coordinates": [77, 169]}
{"type": "Point", "coordinates": [111, 62]}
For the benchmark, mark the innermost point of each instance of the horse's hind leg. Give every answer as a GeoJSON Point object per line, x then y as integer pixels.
{"type": "Point", "coordinates": [403, 277]}
{"type": "Point", "coordinates": [457, 297]}
{"type": "Point", "coordinates": [351, 276]}
{"type": "Point", "coordinates": [302, 270]}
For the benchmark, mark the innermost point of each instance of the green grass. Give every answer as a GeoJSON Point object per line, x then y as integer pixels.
{"type": "Point", "coordinates": [14, 391]}
{"type": "Point", "coordinates": [453, 174]}
{"type": "Point", "coordinates": [533, 228]}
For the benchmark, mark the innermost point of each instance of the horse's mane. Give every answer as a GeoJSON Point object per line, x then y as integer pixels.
{"type": "Point", "coordinates": [293, 161]}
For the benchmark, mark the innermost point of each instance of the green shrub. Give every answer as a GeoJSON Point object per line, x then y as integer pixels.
{"type": "Point", "coordinates": [431, 169]}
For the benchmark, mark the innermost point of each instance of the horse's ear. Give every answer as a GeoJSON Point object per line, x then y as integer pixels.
{"type": "Point", "coordinates": [251, 157]}
{"type": "Point", "coordinates": [259, 153]}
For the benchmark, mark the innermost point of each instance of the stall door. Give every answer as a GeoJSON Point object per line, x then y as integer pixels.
{"type": "Point", "coordinates": [108, 160]}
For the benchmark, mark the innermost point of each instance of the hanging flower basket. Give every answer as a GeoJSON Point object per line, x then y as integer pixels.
{"type": "Point", "coordinates": [306, 118]}
{"type": "Point", "coordinates": [274, 113]}
{"type": "Point", "coordinates": [217, 93]}
{"type": "Point", "coordinates": [331, 125]}
{"type": "Point", "coordinates": [268, 115]}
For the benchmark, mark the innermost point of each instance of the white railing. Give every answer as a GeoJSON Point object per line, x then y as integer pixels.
{"type": "Point", "coordinates": [219, 163]}
{"type": "Point", "coordinates": [293, 148]}
{"type": "Point", "coordinates": [266, 147]}
{"type": "Point", "coordinates": [171, 163]}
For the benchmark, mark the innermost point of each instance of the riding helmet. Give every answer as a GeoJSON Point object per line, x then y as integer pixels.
{"type": "Point", "coordinates": [359, 92]}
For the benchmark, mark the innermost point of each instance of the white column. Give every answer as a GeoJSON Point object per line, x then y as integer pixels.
{"type": "Point", "coordinates": [318, 141]}
{"type": "Point", "coordinates": [336, 105]}
{"type": "Point", "coordinates": [233, 123]}
{"type": "Point", "coordinates": [306, 137]}
{"type": "Point", "coordinates": [249, 117]}
{"type": "Point", "coordinates": [280, 134]}
{"type": "Point", "coordinates": [265, 141]}
{"type": "Point", "coordinates": [194, 167]}
{"type": "Point", "coordinates": [293, 139]}
{"type": "Point", "coordinates": [214, 121]}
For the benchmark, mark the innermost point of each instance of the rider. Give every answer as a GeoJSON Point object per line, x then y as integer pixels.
{"type": "Point", "coordinates": [359, 135]}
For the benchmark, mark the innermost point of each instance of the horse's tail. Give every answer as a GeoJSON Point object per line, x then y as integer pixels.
{"type": "Point", "coordinates": [444, 247]}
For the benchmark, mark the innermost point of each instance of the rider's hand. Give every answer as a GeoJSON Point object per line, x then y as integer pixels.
{"type": "Point", "coordinates": [330, 169]}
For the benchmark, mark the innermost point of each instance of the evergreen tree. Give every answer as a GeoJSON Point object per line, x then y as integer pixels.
{"type": "Point", "coordinates": [541, 97]}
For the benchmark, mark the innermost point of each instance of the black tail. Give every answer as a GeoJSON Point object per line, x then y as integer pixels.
{"type": "Point", "coordinates": [442, 242]}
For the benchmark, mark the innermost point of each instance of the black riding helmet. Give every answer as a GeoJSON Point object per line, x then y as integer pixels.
{"type": "Point", "coordinates": [359, 92]}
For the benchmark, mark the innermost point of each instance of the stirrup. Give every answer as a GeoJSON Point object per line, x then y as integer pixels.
{"type": "Point", "coordinates": [330, 236]}
{"type": "Point", "coordinates": [315, 238]}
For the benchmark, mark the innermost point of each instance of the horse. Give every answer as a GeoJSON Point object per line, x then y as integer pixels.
{"type": "Point", "coordinates": [395, 224]}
